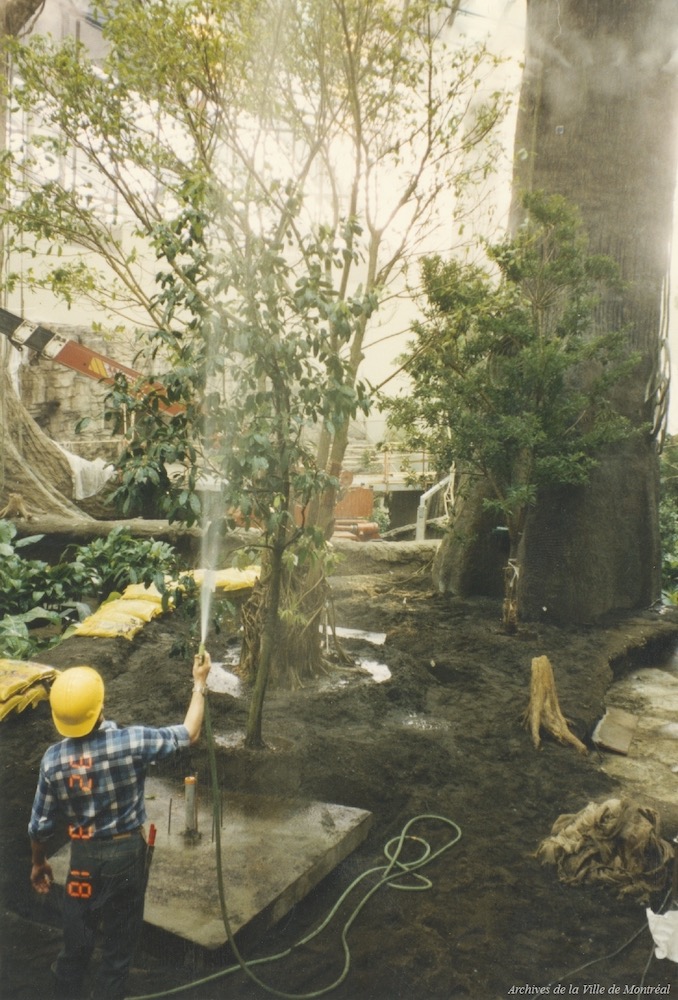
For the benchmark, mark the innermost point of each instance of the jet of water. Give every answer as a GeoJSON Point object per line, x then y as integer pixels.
{"type": "Point", "coordinates": [209, 556]}
{"type": "Point", "coordinates": [206, 592]}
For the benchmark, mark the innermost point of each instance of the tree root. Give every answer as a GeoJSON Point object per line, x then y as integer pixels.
{"type": "Point", "coordinates": [543, 711]}
{"type": "Point", "coordinates": [15, 508]}
{"type": "Point", "coordinates": [298, 654]}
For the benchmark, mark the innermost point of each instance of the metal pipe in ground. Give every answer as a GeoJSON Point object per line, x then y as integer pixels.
{"type": "Point", "coordinates": [191, 806]}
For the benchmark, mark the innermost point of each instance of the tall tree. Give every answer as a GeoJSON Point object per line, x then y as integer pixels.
{"type": "Point", "coordinates": [276, 166]}
{"type": "Point", "coordinates": [598, 124]}
{"type": "Point", "coordinates": [497, 369]}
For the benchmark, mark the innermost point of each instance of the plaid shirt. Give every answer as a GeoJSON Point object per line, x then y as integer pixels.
{"type": "Point", "coordinates": [97, 781]}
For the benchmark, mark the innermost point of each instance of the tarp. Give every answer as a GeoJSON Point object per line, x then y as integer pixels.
{"type": "Point", "coordinates": [664, 931]}
{"type": "Point", "coordinates": [23, 683]}
{"type": "Point", "coordinates": [615, 842]}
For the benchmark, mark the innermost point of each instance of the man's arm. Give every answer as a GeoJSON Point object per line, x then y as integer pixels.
{"type": "Point", "coordinates": [196, 708]}
{"type": "Point", "coordinates": [40, 829]}
{"type": "Point", "coordinates": [41, 870]}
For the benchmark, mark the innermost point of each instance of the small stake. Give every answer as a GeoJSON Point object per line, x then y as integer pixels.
{"type": "Point", "coordinates": [191, 806]}
{"type": "Point", "coordinates": [190, 790]}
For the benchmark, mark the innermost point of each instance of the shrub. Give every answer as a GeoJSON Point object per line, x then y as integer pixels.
{"type": "Point", "coordinates": [31, 590]}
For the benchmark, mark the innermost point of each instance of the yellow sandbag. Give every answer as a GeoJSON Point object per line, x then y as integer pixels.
{"type": "Point", "coordinates": [102, 629]}
{"type": "Point", "coordinates": [108, 630]}
{"type": "Point", "coordinates": [111, 620]}
{"type": "Point", "coordinates": [124, 608]}
{"type": "Point", "coordinates": [120, 617]}
{"type": "Point", "coordinates": [140, 592]}
{"type": "Point", "coordinates": [223, 579]}
{"type": "Point", "coordinates": [18, 702]}
{"type": "Point", "coordinates": [230, 579]}
{"type": "Point", "coordinates": [23, 683]}
{"type": "Point", "coordinates": [127, 615]}
{"type": "Point", "coordinates": [237, 579]}
{"type": "Point", "coordinates": [17, 675]}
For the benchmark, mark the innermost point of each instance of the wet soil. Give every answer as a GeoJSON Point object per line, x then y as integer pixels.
{"type": "Point", "coordinates": [443, 736]}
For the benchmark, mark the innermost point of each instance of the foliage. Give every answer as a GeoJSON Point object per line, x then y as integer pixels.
{"type": "Point", "coordinates": [31, 590]}
{"type": "Point", "coordinates": [281, 162]}
{"type": "Point", "coordinates": [381, 516]}
{"type": "Point", "coordinates": [510, 380]}
{"type": "Point", "coordinates": [118, 558]}
{"type": "Point", "coordinates": [214, 124]}
{"type": "Point", "coordinates": [29, 583]}
{"type": "Point", "coordinates": [280, 337]}
{"type": "Point", "coordinates": [16, 639]}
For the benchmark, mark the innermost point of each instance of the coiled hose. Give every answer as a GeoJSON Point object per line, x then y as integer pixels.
{"type": "Point", "coordinates": [391, 874]}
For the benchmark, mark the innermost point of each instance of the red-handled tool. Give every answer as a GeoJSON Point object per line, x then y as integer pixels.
{"type": "Point", "coordinates": [150, 847]}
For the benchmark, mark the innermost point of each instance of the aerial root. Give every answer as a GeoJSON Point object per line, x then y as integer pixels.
{"type": "Point", "coordinates": [543, 711]}
{"type": "Point", "coordinates": [15, 508]}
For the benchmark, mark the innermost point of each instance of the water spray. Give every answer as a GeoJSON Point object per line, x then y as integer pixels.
{"type": "Point", "coordinates": [209, 557]}
{"type": "Point", "coordinates": [206, 591]}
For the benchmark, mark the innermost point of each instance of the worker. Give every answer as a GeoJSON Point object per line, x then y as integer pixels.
{"type": "Point", "coordinates": [95, 778]}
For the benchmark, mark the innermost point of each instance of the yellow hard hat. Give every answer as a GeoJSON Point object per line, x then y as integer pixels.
{"type": "Point", "coordinates": [76, 700]}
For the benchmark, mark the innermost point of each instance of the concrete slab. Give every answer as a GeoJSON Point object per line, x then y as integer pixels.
{"type": "Point", "coordinates": [274, 851]}
{"type": "Point", "coordinates": [615, 730]}
{"type": "Point", "coordinates": [650, 768]}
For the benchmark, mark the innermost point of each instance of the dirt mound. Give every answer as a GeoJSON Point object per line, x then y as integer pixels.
{"type": "Point", "coordinates": [444, 736]}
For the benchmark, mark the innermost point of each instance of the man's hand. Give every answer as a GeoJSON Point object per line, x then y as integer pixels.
{"type": "Point", "coordinates": [42, 877]}
{"type": "Point", "coordinates": [201, 667]}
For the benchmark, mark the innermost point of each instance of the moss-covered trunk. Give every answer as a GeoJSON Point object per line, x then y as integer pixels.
{"type": "Point", "coordinates": [602, 132]}
{"type": "Point", "coordinates": [296, 656]}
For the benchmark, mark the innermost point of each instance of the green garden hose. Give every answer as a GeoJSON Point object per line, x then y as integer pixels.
{"type": "Point", "coordinates": [389, 874]}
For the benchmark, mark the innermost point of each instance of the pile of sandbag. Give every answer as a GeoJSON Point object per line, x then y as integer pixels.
{"type": "Point", "coordinates": [122, 616]}
{"type": "Point", "coordinates": [616, 842]}
{"type": "Point", "coordinates": [23, 683]}
{"type": "Point", "coordinates": [127, 614]}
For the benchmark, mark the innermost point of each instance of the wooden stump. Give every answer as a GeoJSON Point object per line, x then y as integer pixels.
{"type": "Point", "coordinates": [543, 711]}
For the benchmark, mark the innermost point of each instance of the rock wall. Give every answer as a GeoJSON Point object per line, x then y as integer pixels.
{"type": "Point", "coordinates": [58, 398]}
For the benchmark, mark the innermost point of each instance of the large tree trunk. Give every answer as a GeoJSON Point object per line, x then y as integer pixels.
{"type": "Point", "coordinates": [597, 124]}
{"type": "Point", "coordinates": [471, 558]}
{"type": "Point", "coordinates": [16, 14]}
{"type": "Point", "coordinates": [31, 464]}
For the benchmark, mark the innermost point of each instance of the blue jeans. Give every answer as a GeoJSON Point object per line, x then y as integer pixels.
{"type": "Point", "coordinates": [104, 890]}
